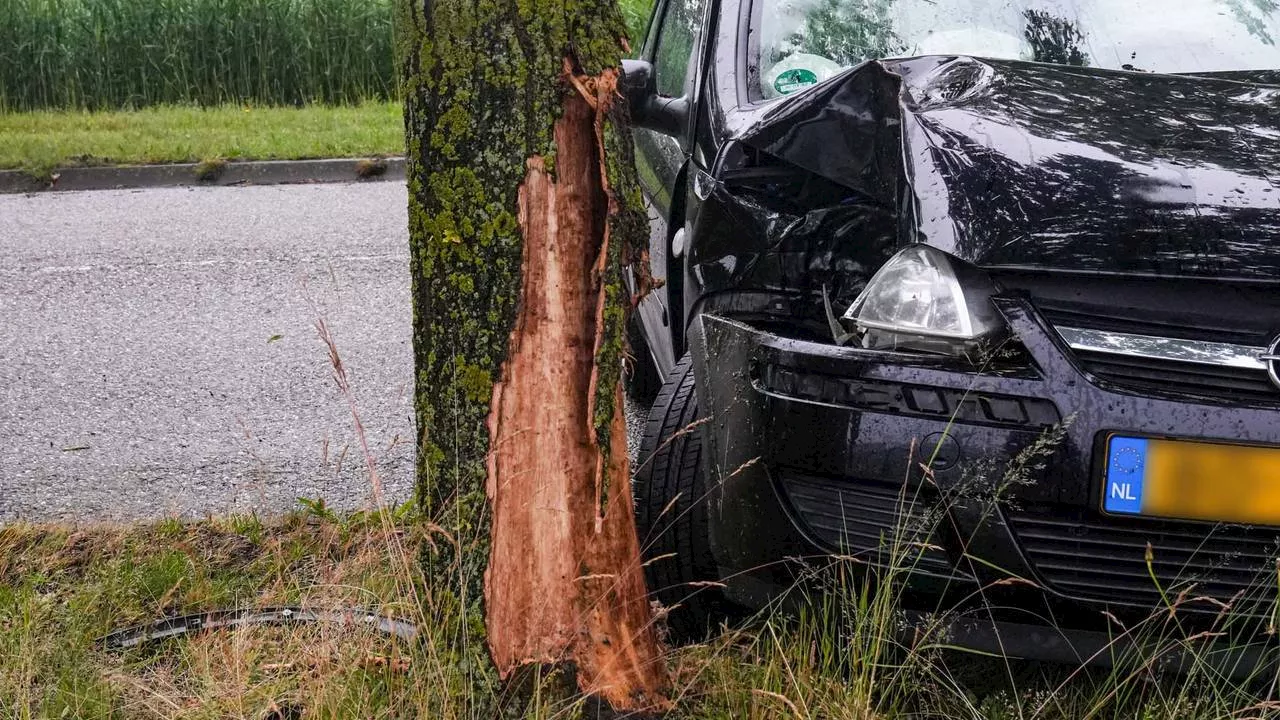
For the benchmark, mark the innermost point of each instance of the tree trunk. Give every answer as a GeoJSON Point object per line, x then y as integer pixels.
{"type": "Point", "coordinates": [522, 209]}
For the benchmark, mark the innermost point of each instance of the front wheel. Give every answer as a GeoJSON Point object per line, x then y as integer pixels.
{"type": "Point", "coordinates": [671, 511]}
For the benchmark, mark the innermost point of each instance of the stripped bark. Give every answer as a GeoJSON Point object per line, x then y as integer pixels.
{"type": "Point", "coordinates": [564, 580]}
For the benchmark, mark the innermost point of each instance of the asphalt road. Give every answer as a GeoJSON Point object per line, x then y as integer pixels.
{"type": "Point", "coordinates": [158, 354]}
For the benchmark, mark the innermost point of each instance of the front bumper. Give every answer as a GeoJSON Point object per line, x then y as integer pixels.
{"type": "Point", "coordinates": [812, 448]}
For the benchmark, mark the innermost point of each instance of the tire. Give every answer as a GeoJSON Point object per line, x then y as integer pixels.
{"type": "Point", "coordinates": [669, 473]}
{"type": "Point", "coordinates": [642, 380]}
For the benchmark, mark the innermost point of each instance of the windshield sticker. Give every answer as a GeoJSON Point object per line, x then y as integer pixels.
{"type": "Point", "coordinates": [795, 79]}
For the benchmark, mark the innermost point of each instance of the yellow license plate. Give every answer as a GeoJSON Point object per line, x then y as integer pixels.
{"type": "Point", "coordinates": [1192, 480]}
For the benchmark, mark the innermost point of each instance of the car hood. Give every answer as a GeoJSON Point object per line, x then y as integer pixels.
{"type": "Point", "coordinates": [1007, 163]}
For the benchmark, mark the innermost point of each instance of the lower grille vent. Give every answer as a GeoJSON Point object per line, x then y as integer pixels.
{"type": "Point", "coordinates": [871, 520]}
{"type": "Point", "coordinates": [1104, 558]}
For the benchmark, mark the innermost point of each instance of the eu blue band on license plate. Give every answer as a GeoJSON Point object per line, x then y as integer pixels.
{"type": "Point", "coordinates": [1126, 469]}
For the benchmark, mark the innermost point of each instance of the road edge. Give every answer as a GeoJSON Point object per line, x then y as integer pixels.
{"type": "Point", "coordinates": [206, 174]}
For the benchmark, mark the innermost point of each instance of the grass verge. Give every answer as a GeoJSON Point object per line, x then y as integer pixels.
{"type": "Point", "coordinates": [40, 141]}
{"type": "Point", "coordinates": [62, 587]}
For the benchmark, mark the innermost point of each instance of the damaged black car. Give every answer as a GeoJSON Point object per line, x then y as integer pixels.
{"type": "Point", "coordinates": [1010, 265]}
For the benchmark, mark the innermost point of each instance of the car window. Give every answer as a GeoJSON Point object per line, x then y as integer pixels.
{"type": "Point", "coordinates": [676, 44]}
{"type": "Point", "coordinates": [803, 42]}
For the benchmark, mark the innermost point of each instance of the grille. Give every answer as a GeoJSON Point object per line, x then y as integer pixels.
{"type": "Point", "coordinates": [858, 517]}
{"type": "Point", "coordinates": [1162, 376]}
{"type": "Point", "coordinates": [1104, 558]}
{"type": "Point", "coordinates": [1154, 375]}
{"type": "Point", "coordinates": [1127, 319]}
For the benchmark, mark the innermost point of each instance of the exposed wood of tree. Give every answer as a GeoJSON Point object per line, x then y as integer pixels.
{"type": "Point", "coordinates": [522, 208]}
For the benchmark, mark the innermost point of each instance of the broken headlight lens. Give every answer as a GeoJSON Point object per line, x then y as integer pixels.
{"type": "Point", "coordinates": [923, 299]}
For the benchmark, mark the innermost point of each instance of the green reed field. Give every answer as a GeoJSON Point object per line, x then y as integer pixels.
{"type": "Point", "coordinates": [113, 54]}
{"type": "Point", "coordinates": [124, 54]}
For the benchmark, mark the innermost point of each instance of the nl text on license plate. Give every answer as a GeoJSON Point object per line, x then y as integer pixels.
{"type": "Point", "coordinates": [1192, 480]}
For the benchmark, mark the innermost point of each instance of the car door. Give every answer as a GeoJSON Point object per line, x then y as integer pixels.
{"type": "Point", "coordinates": [661, 160]}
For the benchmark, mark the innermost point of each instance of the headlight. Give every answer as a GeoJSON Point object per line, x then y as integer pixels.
{"type": "Point", "coordinates": [925, 300]}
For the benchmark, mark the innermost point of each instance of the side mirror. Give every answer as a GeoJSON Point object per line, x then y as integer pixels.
{"type": "Point", "coordinates": [669, 116]}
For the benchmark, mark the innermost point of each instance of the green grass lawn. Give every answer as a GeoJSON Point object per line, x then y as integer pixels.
{"type": "Point", "coordinates": [40, 141]}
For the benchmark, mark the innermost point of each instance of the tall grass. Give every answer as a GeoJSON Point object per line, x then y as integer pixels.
{"type": "Point", "coordinates": [99, 54]}
{"type": "Point", "coordinates": [112, 54]}
{"type": "Point", "coordinates": [846, 648]}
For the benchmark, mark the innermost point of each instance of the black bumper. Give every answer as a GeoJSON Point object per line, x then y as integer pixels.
{"type": "Point", "coordinates": [812, 447]}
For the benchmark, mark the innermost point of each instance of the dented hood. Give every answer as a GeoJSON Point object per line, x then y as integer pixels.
{"type": "Point", "coordinates": [1007, 163]}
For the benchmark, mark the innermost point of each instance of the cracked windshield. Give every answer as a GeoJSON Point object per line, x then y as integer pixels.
{"type": "Point", "coordinates": [803, 42]}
